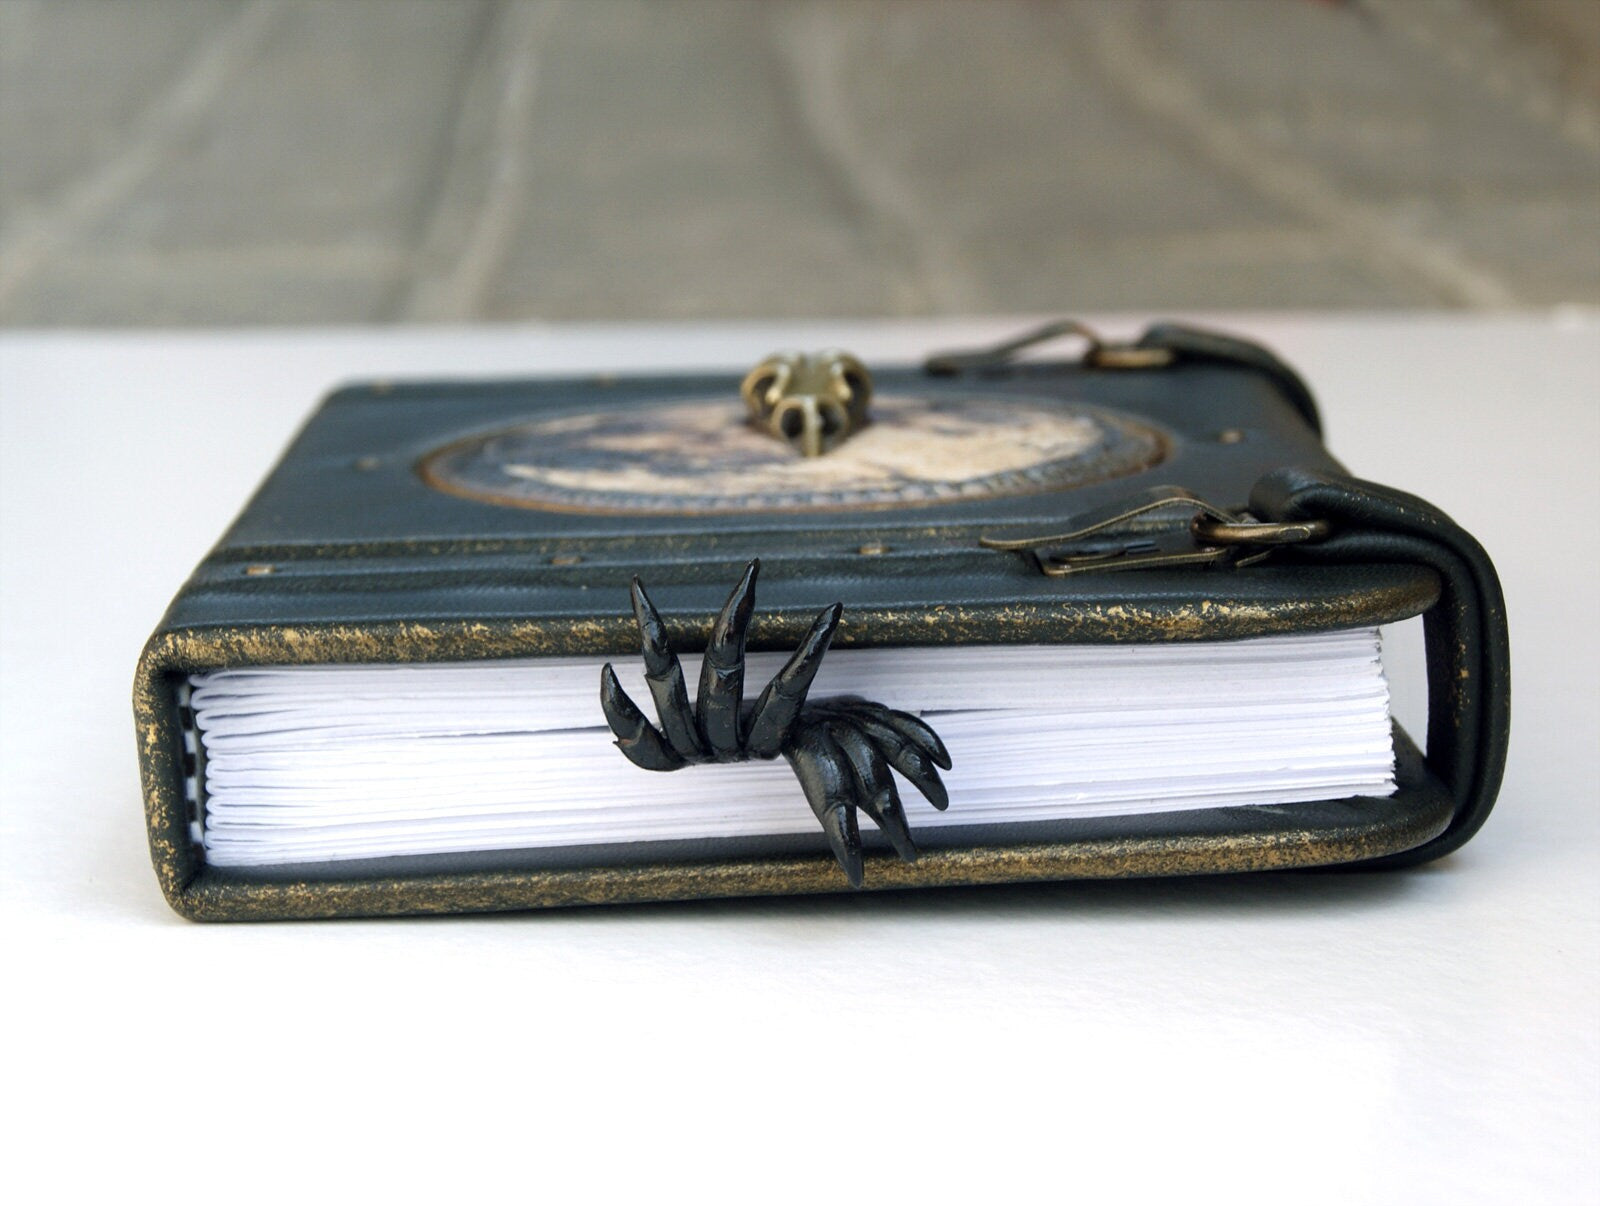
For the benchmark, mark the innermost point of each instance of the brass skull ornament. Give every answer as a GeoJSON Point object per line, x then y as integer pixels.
{"type": "Point", "coordinates": [811, 402]}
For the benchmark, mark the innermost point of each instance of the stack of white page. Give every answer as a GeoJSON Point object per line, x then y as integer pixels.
{"type": "Point", "coordinates": [315, 763]}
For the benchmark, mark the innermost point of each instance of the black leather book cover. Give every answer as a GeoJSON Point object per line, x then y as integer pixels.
{"type": "Point", "coordinates": [456, 520]}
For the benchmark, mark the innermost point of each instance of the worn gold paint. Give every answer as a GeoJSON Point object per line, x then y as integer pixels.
{"type": "Point", "coordinates": [213, 897]}
{"type": "Point", "coordinates": [198, 892]}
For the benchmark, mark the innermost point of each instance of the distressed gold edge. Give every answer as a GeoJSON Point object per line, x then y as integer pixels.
{"type": "Point", "coordinates": [208, 899]}
{"type": "Point", "coordinates": [187, 650]}
{"type": "Point", "coordinates": [1046, 621]}
{"type": "Point", "coordinates": [165, 813]}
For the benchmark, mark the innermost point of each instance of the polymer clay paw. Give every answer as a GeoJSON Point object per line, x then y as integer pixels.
{"type": "Point", "coordinates": [841, 750]}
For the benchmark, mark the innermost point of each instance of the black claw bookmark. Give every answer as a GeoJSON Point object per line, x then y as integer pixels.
{"type": "Point", "coordinates": [841, 750]}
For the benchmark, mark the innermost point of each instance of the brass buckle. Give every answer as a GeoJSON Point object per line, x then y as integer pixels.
{"type": "Point", "coordinates": [1099, 353]}
{"type": "Point", "coordinates": [1250, 531]}
{"type": "Point", "coordinates": [1138, 535]}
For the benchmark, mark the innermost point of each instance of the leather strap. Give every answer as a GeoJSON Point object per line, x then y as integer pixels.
{"type": "Point", "coordinates": [1469, 661]}
{"type": "Point", "coordinates": [1162, 344]}
{"type": "Point", "coordinates": [1194, 345]}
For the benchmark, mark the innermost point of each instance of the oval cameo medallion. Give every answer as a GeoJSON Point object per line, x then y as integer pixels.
{"type": "Point", "coordinates": [695, 457]}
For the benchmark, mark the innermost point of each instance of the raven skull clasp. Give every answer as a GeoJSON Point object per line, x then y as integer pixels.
{"type": "Point", "coordinates": [812, 402]}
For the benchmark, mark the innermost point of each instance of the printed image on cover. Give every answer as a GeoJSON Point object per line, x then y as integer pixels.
{"type": "Point", "coordinates": [695, 457]}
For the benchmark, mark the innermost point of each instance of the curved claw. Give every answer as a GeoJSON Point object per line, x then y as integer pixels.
{"type": "Point", "coordinates": [722, 672]}
{"type": "Point", "coordinates": [841, 750]}
{"type": "Point", "coordinates": [636, 736]}
{"type": "Point", "coordinates": [875, 790]}
{"type": "Point", "coordinates": [912, 728]}
{"type": "Point", "coordinates": [778, 707]}
{"type": "Point", "coordinates": [825, 776]}
{"type": "Point", "coordinates": [904, 754]}
{"type": "Point", "coordinates": [664, 676]}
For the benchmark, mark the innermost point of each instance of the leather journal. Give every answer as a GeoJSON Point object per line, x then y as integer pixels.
{"type": "Point", "coordinates": [440, 660]}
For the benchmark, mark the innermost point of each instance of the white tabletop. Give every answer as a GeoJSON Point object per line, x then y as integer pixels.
{"type": "Point", "coordinates": [1429, 1036]}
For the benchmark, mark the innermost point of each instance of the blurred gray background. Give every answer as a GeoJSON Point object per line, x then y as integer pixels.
{"type": "Point", "coordinates": [352, 161]}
